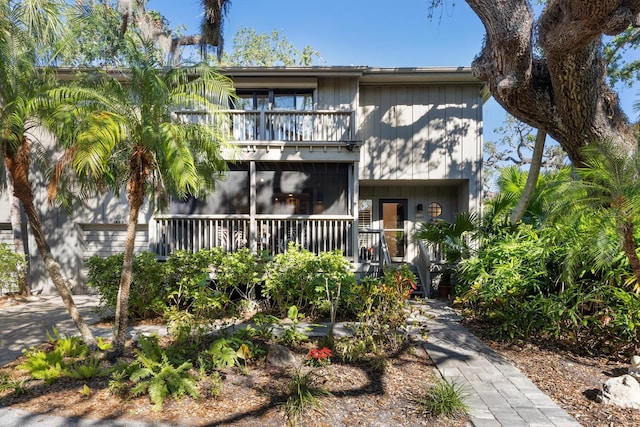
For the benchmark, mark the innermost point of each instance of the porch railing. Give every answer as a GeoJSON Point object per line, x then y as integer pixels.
{"type": "Point", "coordinates": [275, 125]}
{"type": "Point", "coordinates": [423, 265]}
{"type": "Point", "coordinates": [373, 253]}
{"type": "Point", "coordinates": [267, 233]}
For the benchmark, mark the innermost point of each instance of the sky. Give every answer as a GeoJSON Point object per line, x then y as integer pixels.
{"type": "Point", "coordinates": [374, 33]}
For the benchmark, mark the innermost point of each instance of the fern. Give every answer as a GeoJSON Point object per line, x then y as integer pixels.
{"type": "Point", "coordinates": [155, 375]}
{"type": "Point", "coordinates": [42, 365]}
{"type": "Point", "coordinates": [68, 346]}
{"type": "Point", "coordinates": [86, 369]}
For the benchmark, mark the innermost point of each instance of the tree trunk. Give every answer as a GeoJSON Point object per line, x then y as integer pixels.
{"type": "Point", "coordinates": [630, 249]}
{"type": "Point", "coordinates": [532, 179]}
{"type": "Point", "coordinates": [18, 238]}
{"type": "Point", "coordinates": [18, 164]}
{"type": "Point", "coordinates": [136, 198]}
{"type": "Point", "coordinates": [562, 92]}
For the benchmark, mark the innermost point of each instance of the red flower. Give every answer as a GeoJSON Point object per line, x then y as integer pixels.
{"type": "Point", "coordinates": [319, 356]}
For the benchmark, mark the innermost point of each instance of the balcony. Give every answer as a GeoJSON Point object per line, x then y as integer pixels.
{"type": "Point", "coordinates": [315, 126]}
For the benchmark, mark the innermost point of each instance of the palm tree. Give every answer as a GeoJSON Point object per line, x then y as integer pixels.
{"type": "Point", "coordinates": [211, 27]}
{"type": "Point", "coordinates": [608, 192]}
{"type": "Point", "coordinates": [131, 137]}
{"type": "Point", "coordinates": [26, 29]}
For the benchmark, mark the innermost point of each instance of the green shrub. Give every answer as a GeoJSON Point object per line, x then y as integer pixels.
{"type": "Point", "coordinates": [13, 269]}
{"type": "Point", "coordinates": [90, 367]}
{"type": "Point", "coordinates": [147, 297]}
{"type": "Point", "coordinates": [43, 365]}
{"type": "Point", "coordinates": [382, 315]}
{"type": "Point", "coordinates": [190, 287]}
{"type": "Point", "coordinates": [239, 273]}
{"type": "Point", "coordinates": [68, 357]}
{"type": "Point", "coordinates": [299, 278]}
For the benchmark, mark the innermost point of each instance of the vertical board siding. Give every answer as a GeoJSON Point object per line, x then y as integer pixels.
{"type": "Point", "coordinates": [366, 134]}
{"type": "Point", "coordinates": [419, 132]}
{"type": "Point", "coordinates": [336, 93]}
{"type": "Point", "coordinates": [404, 124]}
{"type": "Point", "coordinates": [386, 156]}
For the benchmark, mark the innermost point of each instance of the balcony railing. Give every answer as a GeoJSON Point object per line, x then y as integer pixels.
{"type": "Point", "coordinates": [274, 125]}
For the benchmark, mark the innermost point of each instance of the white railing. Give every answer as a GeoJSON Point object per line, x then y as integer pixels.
{"type": "Point", "coordinates": [423, 265]}
{"type": "Point", "coordinates": [274, 125]}
{"type": "Point", "coordinates": [267, 233]}
{"type": "Point", "coordinates": [373, 252]}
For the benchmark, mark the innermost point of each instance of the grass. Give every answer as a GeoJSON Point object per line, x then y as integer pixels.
{"type": "Point", "coordinates": [303, 394]}
{"type": "Point", "coordinates": [444, 399]}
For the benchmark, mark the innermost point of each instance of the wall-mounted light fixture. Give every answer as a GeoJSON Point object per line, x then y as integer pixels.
{"type": "Point", "coordinates": [419, 209]}
{"type": "Point", "coordinates": [434, 209]}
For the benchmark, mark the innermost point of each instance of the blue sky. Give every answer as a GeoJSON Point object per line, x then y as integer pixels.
{"type": "Point", "coordinates": [365, 32]}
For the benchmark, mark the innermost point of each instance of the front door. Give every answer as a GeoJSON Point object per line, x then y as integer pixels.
{"type": "Point", "coordinates": [394, 215]}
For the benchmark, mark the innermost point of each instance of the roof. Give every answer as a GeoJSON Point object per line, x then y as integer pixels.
{"type": "Point", "coordinates": [365, 74]}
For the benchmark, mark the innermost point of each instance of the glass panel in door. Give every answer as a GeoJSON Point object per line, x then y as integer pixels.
{"type": "Point", "coordinates": [394, 215]}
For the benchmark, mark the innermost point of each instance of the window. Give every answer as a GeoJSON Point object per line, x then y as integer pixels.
{"type": "Point", "coordinates": [278, 124]}
{"type": "Point", "coordinates": [275, 99]}
{"type": "Point", "coordinates": [365, 213]}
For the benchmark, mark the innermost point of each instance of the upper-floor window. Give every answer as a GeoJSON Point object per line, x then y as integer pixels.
{"type": "Point", "coordinates": [275, 99]}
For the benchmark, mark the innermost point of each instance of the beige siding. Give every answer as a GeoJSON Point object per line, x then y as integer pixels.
{"type": "Point", "coordinates": [108, 239]}
{"type": "Point", "coordinates": [404, 143]}
{"type": "Point", "coordinates": [337, 94]}
{"type": "Point", "coordinates": [6, 236]}
{"type": "Point", "coordinates": [418, 132]}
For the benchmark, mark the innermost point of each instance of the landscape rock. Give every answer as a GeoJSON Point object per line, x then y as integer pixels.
{"type": "Point", "coordinates": [621, 391]}
{"type": "Point", "coordinates": [280, 356]}
{"type": "Point", "coordinates": [634, 369]}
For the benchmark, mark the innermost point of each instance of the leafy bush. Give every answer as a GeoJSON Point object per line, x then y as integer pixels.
{"type": "Point", "coordinates": [69, 356]}
{"type": "Point", "coordinates": [190, 285]}
{"type": "Point", "coordinates": [382, 316]}
{"type": "Point", "coordinates": [148, 288]}
{"type": "Point", "coordinates": [13, 269]}
{"type": "Point", "coordinates": [43, 365]}
{"type": "Point", "coordinates": [299, 278]}
{"type": "Point", "coordinates": [86, 369]}
{"type": "Point", "coordinates": [510, 266]}
{"type": "Point", "coordinates": [555, 282]}
{"type": "Point", "coordinates": [238, 273]}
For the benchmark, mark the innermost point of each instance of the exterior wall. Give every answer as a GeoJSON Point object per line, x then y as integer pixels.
{"type": "Point", "coordinates": [64, 229]}
{"type": "Point", "coordinates": [337, 93]}
{"type": "Point", "coordinates": [96, 229]}
{"type": "Point", "coordinates": [421, 133]}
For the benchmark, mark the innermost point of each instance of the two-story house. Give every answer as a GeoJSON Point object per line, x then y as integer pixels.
{"type": "Point", "coordinates": [350, 157]}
